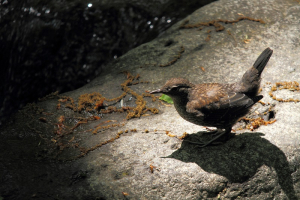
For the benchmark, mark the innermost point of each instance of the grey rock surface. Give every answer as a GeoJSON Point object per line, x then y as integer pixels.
{"type": "Point", "coordinates": [263, 164]}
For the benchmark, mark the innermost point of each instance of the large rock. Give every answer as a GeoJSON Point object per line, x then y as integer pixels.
{"type": "Point", "coordinates": [45, 158]}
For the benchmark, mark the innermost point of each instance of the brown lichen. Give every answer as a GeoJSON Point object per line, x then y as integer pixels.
{"type": "Point", "coordinates": [176, 57]}
{"type": "Point", "coordinates": [84, 151]}
{"type": "Point", "coordinates": [218, 27]}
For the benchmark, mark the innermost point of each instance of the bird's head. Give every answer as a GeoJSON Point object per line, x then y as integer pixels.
{"type": "Point", "coordinates": [174, 87]}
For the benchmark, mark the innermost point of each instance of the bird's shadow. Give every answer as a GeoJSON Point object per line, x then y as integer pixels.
{"type": "Point", "coordinates": [239, 158]}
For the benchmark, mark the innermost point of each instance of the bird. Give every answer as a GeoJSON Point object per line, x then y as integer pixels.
{"type": "Point", "coordinates": [214, 104]}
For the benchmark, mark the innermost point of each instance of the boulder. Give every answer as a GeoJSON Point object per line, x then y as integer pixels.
{"type": "Point", "coordinates": [107, 141]}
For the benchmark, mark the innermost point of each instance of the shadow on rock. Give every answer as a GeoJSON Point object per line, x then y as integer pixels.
{"type": "Point", "coordinates": [239, 158]}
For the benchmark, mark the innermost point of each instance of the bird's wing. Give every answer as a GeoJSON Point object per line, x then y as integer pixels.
{"type": "Point", "coordinates": [234, 105]}
{"type": "Point", "coordinates": [204, 95]}
{"type": "Point", "coordinates": [236, 101]}
{"type": "Point", "coordinates": [216, 100]}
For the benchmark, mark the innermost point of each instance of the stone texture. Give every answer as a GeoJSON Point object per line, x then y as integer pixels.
{"type": "Point", "coordinates": [263, 164]}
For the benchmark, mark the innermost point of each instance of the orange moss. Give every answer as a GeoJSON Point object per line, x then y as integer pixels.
{"type": "Point", "coordinates": [90, 102]}
{"type": "Point", "coordinates": [96, 117]}
{"type": "Point", "coordinates": [72, 139]}
{"type": "Point", "coordinates": [125, 193]}
{"type": "Point", "coordinates": [141, 107]}
{"type": "Point", "coordinates": [147, 94]}
{"type": "Point", "coordinates": [95, 131]}
{"type": "Point", "coordinates": [169, 134]}
{"type": "Point", "coordinates": [58, 106]}
{"type": "Point", "coordinates": [255, 123]}
{"type": "Point", "coordinates": [95, 102]}
{"type": "Point", "coordinates": [183, 136]}
{"type": "Point", "coordinates": [70, 105]}
{"type": "Point", "coordinates": [59, 130]}
{"type": "Point", "coordinates": [292, 86]}
{"type": "Point", "coordinates": [61, 119]}
{"type": "Point", "coordinates": [99, 104]}
{"type": "Point", "coordinates": [137, 77]}
{"type": "Point", "coordinates": [261, 102]}
{"type": "Point", "coordinates": [78, 123]}
{"type": "Point", "coordinates": [151, 168]}
{"type": "Point", "coordinates": [108, 121]}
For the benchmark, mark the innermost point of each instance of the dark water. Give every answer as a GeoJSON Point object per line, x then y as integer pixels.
{"type": "Point", "coordinates": [58, 45]}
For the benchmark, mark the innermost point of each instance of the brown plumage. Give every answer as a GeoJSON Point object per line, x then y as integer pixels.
{"type": "Point", "coordinates": [214, 104]}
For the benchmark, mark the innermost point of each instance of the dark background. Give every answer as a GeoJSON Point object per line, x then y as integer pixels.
{"type": "Point", "coordinates": [62, 45]}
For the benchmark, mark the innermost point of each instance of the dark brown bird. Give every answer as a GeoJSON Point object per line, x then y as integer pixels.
{"type": "Point", "coordinates": [214, 104]}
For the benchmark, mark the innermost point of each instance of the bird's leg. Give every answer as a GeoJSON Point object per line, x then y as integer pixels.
{"type": "Point", "coordinates": [210, 130]}
{"type": "Point", "coordinates": [218, 133]}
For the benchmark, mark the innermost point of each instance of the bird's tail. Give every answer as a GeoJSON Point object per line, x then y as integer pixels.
{"type": "Point", "coordinates": [251, 80]}
{"type": "Point", "coordinates": [262, 60]}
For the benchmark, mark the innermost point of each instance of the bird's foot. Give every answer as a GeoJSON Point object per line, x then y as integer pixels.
{"type": "Point", "coordinates": [210, 130]}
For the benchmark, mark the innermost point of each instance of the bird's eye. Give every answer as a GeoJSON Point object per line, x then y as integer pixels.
{"type": "Point", "coordinates": [175, 88]}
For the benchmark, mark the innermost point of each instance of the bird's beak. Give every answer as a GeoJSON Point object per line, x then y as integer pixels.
{"type": "Point", "coordinates": [155, 91]}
